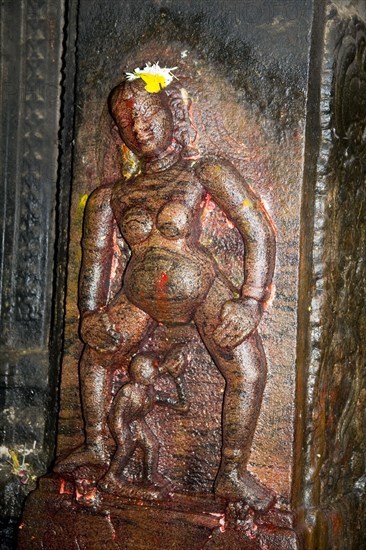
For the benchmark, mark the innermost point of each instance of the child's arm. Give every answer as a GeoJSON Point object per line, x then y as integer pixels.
{"type": "Point", "coordinates": [174, 364]}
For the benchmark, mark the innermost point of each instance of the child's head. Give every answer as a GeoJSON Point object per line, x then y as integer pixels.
{"type": "Point", "coordinates": [144, 368]}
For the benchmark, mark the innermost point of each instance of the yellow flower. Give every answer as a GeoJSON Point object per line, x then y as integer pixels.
{"type": "Point", "coordinates": [155, 77]}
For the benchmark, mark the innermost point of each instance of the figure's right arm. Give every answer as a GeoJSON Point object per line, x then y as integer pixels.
{"type": "Point", "coordinates": [99, 246]}
{"type": "Point", "coordinates": [103, 263]}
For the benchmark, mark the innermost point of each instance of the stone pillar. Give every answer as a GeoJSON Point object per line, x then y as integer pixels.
{"type": "Point", "coordinates": [331, 375]}
{"type": "Point", "coordinates": [31, 39]}
{"type": "Point", "coordinates": [275, 90]}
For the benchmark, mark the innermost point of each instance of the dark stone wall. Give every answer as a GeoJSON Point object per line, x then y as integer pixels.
{"type": "Point", "coordinates": [31, 39]}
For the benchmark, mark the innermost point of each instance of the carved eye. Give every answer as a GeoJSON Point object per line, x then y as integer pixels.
{"type": "Point", "coordinates": [123, 118]}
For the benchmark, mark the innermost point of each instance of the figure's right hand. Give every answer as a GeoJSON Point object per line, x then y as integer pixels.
{"type": "Point", "coordinates": [98, 332]}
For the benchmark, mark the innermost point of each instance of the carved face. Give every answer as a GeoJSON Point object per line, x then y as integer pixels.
{"type": "Point", "coordinates": [144, 120]}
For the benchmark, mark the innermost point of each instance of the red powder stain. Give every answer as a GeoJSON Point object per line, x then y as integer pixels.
{"type": "Point", "coordinates": [88, 494]}
{"type": "Point", "coordinates": [271, 295]}
{"type": "Point", "coordinates": [162, 282]}
{"type": "Point", "coordinates": [250, 534]}
{"type": "Point", "coordinates": [63, 490]}
{"type": "Point", "coordinates": [130, 103]}
{"type": "Point", "coordinates": [208, 204]}
{"type": "Point", "coordinates": [115, 257]}
{"type": "Point", "coordinates": [161, 292]}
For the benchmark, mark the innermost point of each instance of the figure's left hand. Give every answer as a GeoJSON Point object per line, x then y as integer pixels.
{"type": "Point", "coordinates": [239, 318]}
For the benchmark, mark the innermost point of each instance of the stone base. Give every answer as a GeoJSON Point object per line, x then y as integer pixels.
{"type": "Point", "coordinates": [57, 517]}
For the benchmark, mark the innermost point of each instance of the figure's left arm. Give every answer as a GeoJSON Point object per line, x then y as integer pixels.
{"type": "Point", "coordinates": [228, 189]}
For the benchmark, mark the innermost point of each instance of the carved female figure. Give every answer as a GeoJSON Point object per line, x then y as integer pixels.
{"type": "Point", "coordinates": [172, 279]}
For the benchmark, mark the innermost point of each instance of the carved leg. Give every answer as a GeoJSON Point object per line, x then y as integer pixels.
{"type": "Point", "coordinates": [96, 370]}
{"type": "Point", "coordinates": [150, 446]}
{"type": "Point", "coordinates": [126, 446]}
{"type": "Point", "coordinates": [244, 369]}
{"type": "Point", "coordinates": [155, 486]}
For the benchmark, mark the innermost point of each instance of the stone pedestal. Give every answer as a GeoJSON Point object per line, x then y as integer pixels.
{"type": "Point", "coordinates": [116, 522]}
{"type": "Point", "coordinates": [276, 90]}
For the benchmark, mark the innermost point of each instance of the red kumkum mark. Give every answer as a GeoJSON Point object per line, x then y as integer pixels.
{"type": "Point", "coordinates": [161, 291]}
{"type": "Point", "coordinates": [63, 488]}
{"type": "Point", "coordinates": [162, 282]}
{"type": "Point", "coordinates": [207, 206]}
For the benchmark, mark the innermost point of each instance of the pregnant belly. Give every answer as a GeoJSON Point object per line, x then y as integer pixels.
{"type": "Point", "coordinates": [167, 285]}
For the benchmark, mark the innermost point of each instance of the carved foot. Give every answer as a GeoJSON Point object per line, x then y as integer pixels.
{"type": "Point", "coordinates": [110, 483]}
{"type": "Point", "coordinates": [86, 455]}
{"type": "Point", "coordinates": [245, 488]}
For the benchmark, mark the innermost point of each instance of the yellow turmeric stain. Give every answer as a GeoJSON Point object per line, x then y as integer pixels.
{"type": "Point", "coordinates": [130, 163]}
{"type": "Point", "coordinates": [79, 215]}
{"type": "Point", "coordinates": [217, 168]}
{"type": "Point", "coordinates": [82, 201]}
{"type": "Point", "coordinates": [247, 203]}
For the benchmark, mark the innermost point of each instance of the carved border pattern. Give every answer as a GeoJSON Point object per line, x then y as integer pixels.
{"type": "Point", "coordinates": [32, 176]}
{"type": "Point", "coordinates": [30, 66]}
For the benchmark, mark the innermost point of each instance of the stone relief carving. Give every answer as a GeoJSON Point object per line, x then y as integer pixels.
{"type": "Point", "coordinates": [170, 280]}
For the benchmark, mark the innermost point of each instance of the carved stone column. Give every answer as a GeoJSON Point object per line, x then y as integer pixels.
{"type": "Point", "coordinates": [259, 138]}
{"type": "Point", "coordinates": [333, 405]}
{"type": "Point", "coordinates": [31, 40]}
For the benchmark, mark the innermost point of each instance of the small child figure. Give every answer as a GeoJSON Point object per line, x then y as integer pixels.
{"type": "Point", "coordinates": [128, 426]}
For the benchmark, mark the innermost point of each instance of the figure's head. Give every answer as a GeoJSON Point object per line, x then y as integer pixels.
{"type": "Point", "coordinates": [144, 119]}
{"type": "Point", "coordinates": [144, 369]}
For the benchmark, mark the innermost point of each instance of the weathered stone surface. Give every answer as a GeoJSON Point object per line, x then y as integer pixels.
{"type": "Point", "coordinates": [279, 89]}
